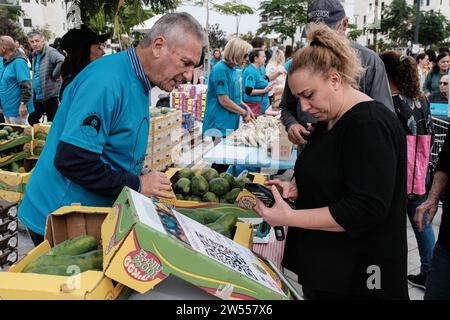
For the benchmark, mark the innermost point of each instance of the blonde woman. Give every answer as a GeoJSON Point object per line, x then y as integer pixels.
{"type": "Point", "coordinates": [224, 105]}
{"type": "Point", "coordinates": [350, 180]}
{"type": "Point", "coordinates": [276, 66]}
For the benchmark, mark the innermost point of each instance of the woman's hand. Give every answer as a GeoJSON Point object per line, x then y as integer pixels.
{"type": "Point", "coordinates": [279, 215]}
{"type": "Point", "coordinates": [287, 189]}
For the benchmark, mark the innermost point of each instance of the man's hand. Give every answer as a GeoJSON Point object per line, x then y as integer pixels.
{"type": "Point", "coordinates": [156, 184]}
{"type": "Point", "coordinates": [295, 134]}
{"type": "Point", "coordinates": [23, 111]}
{"type": "Point", "coordinates": [430, 206]}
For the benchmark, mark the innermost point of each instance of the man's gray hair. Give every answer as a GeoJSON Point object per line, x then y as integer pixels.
{"type": "Point", "coordinates": [175, 26]}
{"type": "Point", "coordinates": [34, 33]}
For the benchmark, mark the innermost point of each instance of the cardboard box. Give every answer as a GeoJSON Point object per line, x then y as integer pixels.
{"type": "Point", "coordinates": [7, 258]}
{"type": "Point", "coordinates": [27, 136]}
{"type": "Point", "coordinates": [8, 210]}
{"type": "Point", "coordinates": [11, 196]}
{"type": "Point", "coordinates": [8, 226]}
{"type": "Point", "coordinates": [144, 242]}
{"type": "Point", "coordinates": [8, 241]}
{"type": "Point", "coordinates": [63, 224]}
{"type": "Point", "coordinates": [43, 128]}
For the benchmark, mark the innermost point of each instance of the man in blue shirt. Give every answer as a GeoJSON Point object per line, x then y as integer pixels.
{"type": "Point", "coordinates": [15, 83]}
{"type": "Point", "coordinates": [98, 140]}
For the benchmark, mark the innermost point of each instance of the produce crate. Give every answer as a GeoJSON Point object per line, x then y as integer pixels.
{"type": "Point", "coordinates": [23, 135]}
{"type": "Point", "coordinates": [16, 181]}
{"type": "Point", "coordinates": [145, 242]}
{"type": "Point", "coordinates": [41, 131]}
{"type": "Point", "coordinates": [65, 223]}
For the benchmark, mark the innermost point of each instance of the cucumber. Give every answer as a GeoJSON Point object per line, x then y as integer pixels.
{"type": "Point", "coordinates": [220, 229]}
{"type": "Point", "coordinates": [52, 270]}
{"type": "Point", "coordinates": [78, 245]}
{"type": "Point", "coordinates": [228, 221]}
{"type": "Point", "coordinates": [87, 261]}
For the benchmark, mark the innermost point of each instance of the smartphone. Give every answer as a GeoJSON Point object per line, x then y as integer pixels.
{"type": "Point", "coordinates": [265, 195]}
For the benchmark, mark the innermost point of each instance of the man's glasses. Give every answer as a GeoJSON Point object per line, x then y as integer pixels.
{"type": "Point", "coordinates": [442, 83]}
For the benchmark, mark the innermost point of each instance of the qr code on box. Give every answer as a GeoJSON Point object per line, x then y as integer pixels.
{"type": "Point", "coordinates": [225, 255]}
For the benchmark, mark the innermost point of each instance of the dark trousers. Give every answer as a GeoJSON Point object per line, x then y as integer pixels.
{"type": "Point", "coordinates": [219, 167]}
{"type": "Point", "coordinates": [47, 107]}
{"type": "Point", "coordinates": [35, 237]}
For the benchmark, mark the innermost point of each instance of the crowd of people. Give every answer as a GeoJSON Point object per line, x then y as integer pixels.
{"type": "Point", "coordinates": [362, 123]}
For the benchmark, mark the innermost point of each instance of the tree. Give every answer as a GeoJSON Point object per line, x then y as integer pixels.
{"type": "Point", "coordinates": [217, 38]}
{"type": "Point", "coordinates": [13, 13]}
{"type": "Point", "coordinates": [398, 21]}
{"type": "Point", "coordinates": [354, 32]}
{"type": "Point", "coordinates": [44, 31]}
{"type": "Point", "coordinates": [283, 16]}
{"type": "Point", "coordinates": [234, 8]}
{"type": "Point", "coordinates": [248, 37]}
{"type": "Point", "coordinates": [14, 30]}
{"type": "Point", "coordinates": [434, 28]}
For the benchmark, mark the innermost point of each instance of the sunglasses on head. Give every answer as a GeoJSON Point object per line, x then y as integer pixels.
{"type": "Point", "coordinates": [443, 83]}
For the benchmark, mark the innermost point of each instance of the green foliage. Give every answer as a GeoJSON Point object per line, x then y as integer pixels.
{"type": "Point", "coordinates": [234, 8]}
{"type": "Point", "coordinates": [217, 38]}
{"type": "Point", "coordinates": [11, 12]}
{"type": "Point", "coordinates": [434, 28]}
{"type": "Point", "coordinates": [283, 16]}
{"type": "Point", "coordinates": [13, 29]}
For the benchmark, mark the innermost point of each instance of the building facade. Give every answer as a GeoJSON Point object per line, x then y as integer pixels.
{"type": "Point", "coordinates": [367, 13]}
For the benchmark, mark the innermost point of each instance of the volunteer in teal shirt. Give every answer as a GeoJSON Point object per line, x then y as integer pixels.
{"type": "Point", "coordinates": [14, 73]}
{"type": "Point", "coordinates": [224, 101]}
{"type": "Point", "coordinates": [216, 57]}
{"type": "Point", "coordinates": [255, 84]}
{"type": "Point", "coordinates": [104, 116]}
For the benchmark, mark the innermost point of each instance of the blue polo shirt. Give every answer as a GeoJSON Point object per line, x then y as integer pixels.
{"type": "Point", "coordinates": [105, 110]}
{"type": "Point", "coordinates": [255, 79]}
{"type": "Point", "coordinates": [37, 78]}
{"type": "Point", "coordinates": [224, 80]}
{"type": "Point", "coordinates": [11, 76]}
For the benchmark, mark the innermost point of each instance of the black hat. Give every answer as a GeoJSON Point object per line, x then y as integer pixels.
{"type": "Point", "coordinates": [75, 39]}
{"type": "Point", "coordinates": [329, 12]}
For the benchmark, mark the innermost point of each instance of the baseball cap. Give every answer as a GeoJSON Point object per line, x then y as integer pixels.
{"type": "Point", "coordinates": [75, 39]}
{"type": "Point", "coordinates": [329, 12]}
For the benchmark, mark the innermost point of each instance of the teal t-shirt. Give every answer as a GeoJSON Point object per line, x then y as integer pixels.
{"type": "Point", "coordinates": [288, 64]}
{"type": "Point", "coordinates": [10, 92]}
{"type": "Point", "coordinates": [37, 79]}
{"type": "Point", "coordinates": [104, 110]}
{"type": "Point", "coordinates": [255, 79]}
{"type": "Point", "coordinates": [224, 80]}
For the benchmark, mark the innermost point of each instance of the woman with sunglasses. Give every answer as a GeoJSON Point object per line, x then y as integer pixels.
{"type": "Point", "coordinates": [442, 95]}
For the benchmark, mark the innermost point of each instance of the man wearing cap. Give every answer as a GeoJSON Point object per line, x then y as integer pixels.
{"type": "Point", "coordinates": [15, 83]}
{"type": "Point", "coordinates": [82, 46]}
{"type": "Point", "coordinates": [98, 141]}
{"type": "Point", "coordinates": [374, 82]}
{"type": "Point", "coordinates": [46, 66]}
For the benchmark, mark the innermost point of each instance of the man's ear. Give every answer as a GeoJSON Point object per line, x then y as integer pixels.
{"type": "Point", "coordinates": [158, 45]}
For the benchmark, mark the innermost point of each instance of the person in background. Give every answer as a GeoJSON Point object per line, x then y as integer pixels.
{"type": "Point", "coordinates": [276, 65]}
{"type": "Point", "coordinates": [288, 56]}
{"type": "Point", "coordinates": [46, 66]}
{"type": "Point", "coordinates": [216, 58]}
{"type": "Point", "coordinates": [438, 278]}
{"type": "Point", "coordinates": [15, 83]}
{"type": "Point", "coordinates": [423, 67]}
{"type": "Point", "coordinates": [255, 85]}
{"type": "Point", "coordinates": [2, 117]}
{"type": "Point", "coordinates": [442, 95]}
{"type": "Point", "coordinates": [432, 57]}
{"type": "Point", "coordinates": [224, 105]}
{"type": "Point", "coordinates": [98, 141]}
{"type": "Point", "coordinates": [259, 43]}
{"type": "Point", "coordinates": [440, 69]}
{"type": "Point", "coordinates": [350, 182]}
{"type": "Point", "coordinates": [82, 46]}
{"type": "Point", "coordinates": [413, 111]}
{"type": "Point", "coordinates": [373, 82]}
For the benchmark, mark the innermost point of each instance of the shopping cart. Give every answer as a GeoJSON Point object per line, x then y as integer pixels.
{"type": "Point", "coordinates": [440, 132]}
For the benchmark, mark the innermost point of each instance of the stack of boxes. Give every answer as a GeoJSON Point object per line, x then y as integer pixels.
{"type": "Point", "coordinates": [191, 100]}
{"type": "Point", "coordinates": [163, 141]}
{"type": "Point", "coordinates": [8, 234]}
